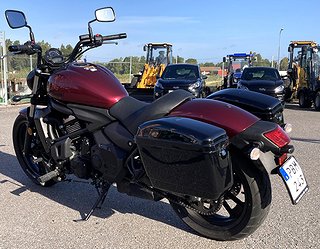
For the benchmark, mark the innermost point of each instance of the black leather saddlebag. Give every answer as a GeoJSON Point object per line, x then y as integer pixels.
{"type": "Point", "coordinates": [185, 156]}
{"type": "Point", "coordinates": [261, 105]}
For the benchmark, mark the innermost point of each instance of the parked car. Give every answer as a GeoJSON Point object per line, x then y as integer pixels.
{"type": "Point", "coordinates": [266, 80]}
{"type": "Point", "coordinates": [181, 76]}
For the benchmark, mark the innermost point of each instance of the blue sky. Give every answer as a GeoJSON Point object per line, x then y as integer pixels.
{"type": "Point", "coordinates": [205, 30]}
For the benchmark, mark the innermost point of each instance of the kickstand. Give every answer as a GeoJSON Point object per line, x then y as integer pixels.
{"type": "Point", "coordinates": [102, 196]}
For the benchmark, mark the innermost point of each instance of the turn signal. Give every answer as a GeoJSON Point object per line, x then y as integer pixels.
{"type": "Point", "coordinates": [255, 154]}
{"type": "Point", "coordinates": [282, 159]}
{"type": "Point", "coordinates": [278, 136]}
{"type": "Point", "coordinates": [288, 128]}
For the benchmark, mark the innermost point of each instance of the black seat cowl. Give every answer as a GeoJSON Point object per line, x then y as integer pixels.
{"type": "Point", "coordinates": [132, 112]}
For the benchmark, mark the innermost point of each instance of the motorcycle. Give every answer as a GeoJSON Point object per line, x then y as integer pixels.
{"type": "Point", "coordinates": [210, 159]}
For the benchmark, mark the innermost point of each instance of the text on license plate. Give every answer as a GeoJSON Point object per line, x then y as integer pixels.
{"type": "Point", "coordinates": [294, 179]}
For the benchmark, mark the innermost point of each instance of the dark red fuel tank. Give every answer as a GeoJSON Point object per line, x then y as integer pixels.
{"type": "Point", "coordinates": [86, 84]}
{"type": "Point", "coordinates": [229, 117]}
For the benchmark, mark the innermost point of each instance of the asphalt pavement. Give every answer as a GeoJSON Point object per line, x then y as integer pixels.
{"type": "Point", "coordinates": [36, 217]}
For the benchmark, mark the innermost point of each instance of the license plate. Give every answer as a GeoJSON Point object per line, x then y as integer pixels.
{"type": "Point", "coordinates": [294, 179]}
{"type": "Point", "coordinates": [170, 91]}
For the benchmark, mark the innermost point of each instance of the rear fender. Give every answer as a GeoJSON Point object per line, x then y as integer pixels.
{"type": "Point", "coordinates": [256, 136]}
{"type": "Point", "coordinates": [270, 152]}
{"type": "Point", "coordinates": [231, 118]}
{"type": "Point", "coordinates": [266, 161]}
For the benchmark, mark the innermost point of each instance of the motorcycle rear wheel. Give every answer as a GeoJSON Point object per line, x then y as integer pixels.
{"type": "Point", "coordinates": [33, 164]}
{"type": "Point", "coordinates": [243, 210]}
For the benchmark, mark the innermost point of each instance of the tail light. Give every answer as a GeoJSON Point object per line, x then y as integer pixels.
{"type": "Point", "coordinates": [278, 136]}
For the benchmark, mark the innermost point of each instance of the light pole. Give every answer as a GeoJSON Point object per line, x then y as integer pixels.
{"type": "Point", "coordinates": [278, 65]}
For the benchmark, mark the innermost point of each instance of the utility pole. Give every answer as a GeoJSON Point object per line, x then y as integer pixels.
{"type": "Point", "coordinates": [130, 69]}
{"type": "Point", "coordinates": [5, 66]}
{"type": "Point", "coordinates": [278, 66]}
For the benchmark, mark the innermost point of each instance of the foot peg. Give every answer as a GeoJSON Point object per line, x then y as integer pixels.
{"type": "Point", "coordinates": [47, 177]}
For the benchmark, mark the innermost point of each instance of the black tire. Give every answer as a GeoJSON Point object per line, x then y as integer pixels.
{"type": "Point", "coordinates": [27, 162]}
{"type": "Point", "coordinates": [134, 82]}
{"type": "Point", "coordinates": [207, 91]}
{"type": "Point", "coordinates": [304, 102]}
{"type": "Point", "coordinates": [244, 217]}
{"type": "Point", "coordinates": [288, 95]}
{"type": "Point", "coordinates": [317, 101]}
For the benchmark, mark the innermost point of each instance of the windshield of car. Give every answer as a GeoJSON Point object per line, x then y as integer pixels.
{"type": "Point", "coordinates": [180, 72]}
{"type": "Point", "coordinates": [260, 74]}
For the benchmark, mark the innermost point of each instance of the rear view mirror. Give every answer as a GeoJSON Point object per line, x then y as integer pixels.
{"type": "Point", "coordinates": [105, 14]}
{"type": "Point", "coordinates": [16, 19]}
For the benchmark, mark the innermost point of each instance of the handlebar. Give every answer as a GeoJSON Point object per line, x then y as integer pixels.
{"type": "Point", "coordinates": [91, 42]}
{"type": "Point", "coordinates": [114, 37]}
{"type": "Point", "coordinates": [27, 48]}
{"type": "Point", "coordinates": [18, 48]}
{"type": "Point", "coordinates": [30, 48]}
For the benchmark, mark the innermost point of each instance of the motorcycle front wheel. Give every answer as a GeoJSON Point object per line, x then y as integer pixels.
{"type": "Point", "coordinates": [243, 208]}
{"type": "Point", "coordinates": [35, 163]}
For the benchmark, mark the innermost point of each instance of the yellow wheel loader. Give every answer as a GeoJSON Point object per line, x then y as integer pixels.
{"type": "Point", "coordinates": [158, 56]}
{"type": "Point", "coordinates": [304, 73]}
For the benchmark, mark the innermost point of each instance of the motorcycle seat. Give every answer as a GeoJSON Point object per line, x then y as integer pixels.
{"type": "Point", "coordinates": [132, 112]}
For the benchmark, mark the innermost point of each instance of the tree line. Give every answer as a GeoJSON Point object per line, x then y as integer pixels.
{"type": "Point", "coordinates": [122, 65]}
{"type": "Point", "coordinates": [21, 63]}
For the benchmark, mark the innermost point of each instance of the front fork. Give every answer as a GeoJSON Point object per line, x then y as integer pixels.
{"type": "Point", "coordinates": [33, 116]}
{"type": "Point", "coordinates": [27, 140]}
{"type": "Point", "coordinates": [34, 125]}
